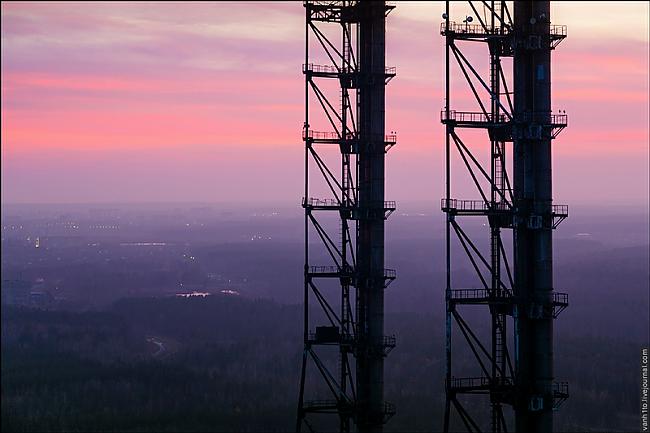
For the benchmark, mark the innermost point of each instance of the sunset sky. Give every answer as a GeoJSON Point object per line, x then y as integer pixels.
{"type": "Point", "coordinates": [129, 102]}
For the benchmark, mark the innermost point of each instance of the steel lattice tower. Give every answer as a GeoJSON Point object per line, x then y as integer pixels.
{"type": "Point", "coordinates": [514, 364]}
{"type": "Point", "coordinates": [350, 320]}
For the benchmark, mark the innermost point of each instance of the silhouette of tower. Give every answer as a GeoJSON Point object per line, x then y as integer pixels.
{"type": "Point", "coordinates": [344, 331]}
{"type": "Point", "coordinates": [512, 365]}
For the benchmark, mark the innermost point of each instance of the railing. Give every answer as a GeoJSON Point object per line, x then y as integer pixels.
{"type": "Point", "coordinates": [561, 388]}
{"type": "Point", "coordinates": [543, 118]}
{"type": "Point", "coordinates": [478, 382]}
{"type": "Point", "coordinates": [453, 203]}
{"type": "Point", "coordinates": [389, 408]}
{"type": "Point", "coordinates": [325, 69]}
{"type": "Point", "coordinates": [320, 135]}
{"type": "Point", "coordinates": [333, 135]}
{"type": "Point", "coordinates": [475, 117]}
{"type": "Point", "coordinates": [325, 405]}
{"type": "Point", "coordinates": [374, 204]}
{"type": "Point", "coordinates": [389, 341]}
{"type": "Point", "coordinates": [390, 138]}
{"type": "Point", "coordinates": [325, 270]}
{"type": "Point", "coordinates": [330, 69]}
{"type": "Point", "coordinates": [555, 30]}
{"type": "Point", "coordinates": [560, 209]}
{"type": "Point", "coordinates": [324, 202]}
{"type": "Point", "coordinates": [389, 274]}
{"type": "Point", "coordinates": [334, 203]}
{"type": "Point", "coordinates": [327, 3]}
{"type": "Point", "coordinates": [560, 298]}
{"type": "Point", "coordinates": [460, 294]}
{"type": "Point", "coordinates": [477, 294]}
{"type": "Point", "coordinates": [340, 3]}
{"type": "Point", "coordinates": [558, 30]}
{"type": "Point", "coordinates": [321, 403]}
{"type": "Point", "coordinates": [476, 29]}
{"type": "Point", "coordinates": [471, 205]}
{"type": "Point", "coordinates": [469, 382]}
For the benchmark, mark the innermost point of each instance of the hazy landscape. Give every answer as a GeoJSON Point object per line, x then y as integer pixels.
{"type": "Point", "coordinates": [188, 316]}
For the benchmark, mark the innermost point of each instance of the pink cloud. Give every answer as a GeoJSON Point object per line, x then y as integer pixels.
{"type": "Point", "coordinates": [166, 79]}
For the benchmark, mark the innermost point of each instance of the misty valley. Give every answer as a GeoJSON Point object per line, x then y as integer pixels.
{"type": "Point", "coordinates": [188, 317]}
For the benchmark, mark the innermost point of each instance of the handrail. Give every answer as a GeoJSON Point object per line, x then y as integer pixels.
{"type": "Point", "coordinates": [330, 69]}
{"type": "Point", "coordinates": [335, 203]}
{"type": "Point", "coordinates": [322, 135]}
{"type": "Point", "coordinates": [540, 117]}
{"type": "Point", "coordinates": [386, 340]}
{"type": "Point", "coordinates": [555, 30]}
{"type": "Point", "coordinates": [561, 388]}
{"type": "Point", "coordinates": [333, 135]}
{"type": "Point", "coordinates": [482, 381]}
{"type": "Point", "coordinates": [560, 298]}
{"type": "Point", "coordinates": [480, 205]}
{"type": "Point", "coordinates": [471, 116]}
{"type": "Point", "coordinates": [324, 269]}
{"type": "Point", "coordinates": [330, 269]}
{"type": "Point", "coordinates": [560, 209]}
{"type": "Point", "coordinates": [477, 29]}
{"type": "Point", "coordinates": [312, 67]}
{"type": "Point", "coordinates": [471, 205]}
{"type": "Point", "coordinates": [477, 294]}
{"type": "Point", "coordinates": [321, 202]}
{"type": "Point", "coordinates": [543, 118]}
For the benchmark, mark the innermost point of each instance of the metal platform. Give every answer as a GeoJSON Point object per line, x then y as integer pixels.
{"type": "Point", "coordinates": [525, 125]}
{"type": "Point", "coordinates": [350, 144]}
{"type": "Point", "coordinates": [503, 297]}
{"type": "Point", "coordinates": [504, 210]}
{"type": "Point", "coordinates": [349, 273]}
{"type": "Point", "coordinates": [351, 211]}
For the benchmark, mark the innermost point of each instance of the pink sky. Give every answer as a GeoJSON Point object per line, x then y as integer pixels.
{"type": "Point", "coordinates": [116, 102]}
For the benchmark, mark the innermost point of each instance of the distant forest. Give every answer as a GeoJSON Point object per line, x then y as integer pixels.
{"type": "Point", "coordinates": [232, 364]}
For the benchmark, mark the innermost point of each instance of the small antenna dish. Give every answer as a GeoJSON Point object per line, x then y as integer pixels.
{"type": "Point", "coordinates": [533, 20]}
{"type": "Point", "coordinates": [444, 16]}
{"type": "Point", "coordinates": [470, 19]}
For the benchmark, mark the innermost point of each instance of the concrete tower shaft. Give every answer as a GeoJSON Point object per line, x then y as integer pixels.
{"type": "Point", "coordinates": [533, 240]}
{"type": "Point", "coordinates": [370, 241]}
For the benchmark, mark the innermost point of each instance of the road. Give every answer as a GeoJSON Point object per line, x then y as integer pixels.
{"type": "Point", "coordinates": [161, 347]}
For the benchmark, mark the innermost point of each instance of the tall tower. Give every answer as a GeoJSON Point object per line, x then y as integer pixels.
{"type": "Point", "coordinates": [513, 364]}
{"type": "Point", "coordinates": [344, 328]}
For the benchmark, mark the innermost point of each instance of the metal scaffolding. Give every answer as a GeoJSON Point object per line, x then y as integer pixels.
{"type": "Point", "coordinates": [513, 364]}
{"type": "Point", "coordinates": [348, 321]}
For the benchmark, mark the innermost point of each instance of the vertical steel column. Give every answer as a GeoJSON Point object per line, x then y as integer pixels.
{"type": "Point", "coordinates": [370, 241]}
{"type": "Point", "coordinates": [533, 247]}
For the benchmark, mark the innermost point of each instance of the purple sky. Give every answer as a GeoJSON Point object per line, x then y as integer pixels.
{"type": "Point", "coordinates": [116, 102]}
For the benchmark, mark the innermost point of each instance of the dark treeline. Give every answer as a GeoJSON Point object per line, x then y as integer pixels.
{"type": "Point", "coordinates": [231, 364]}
